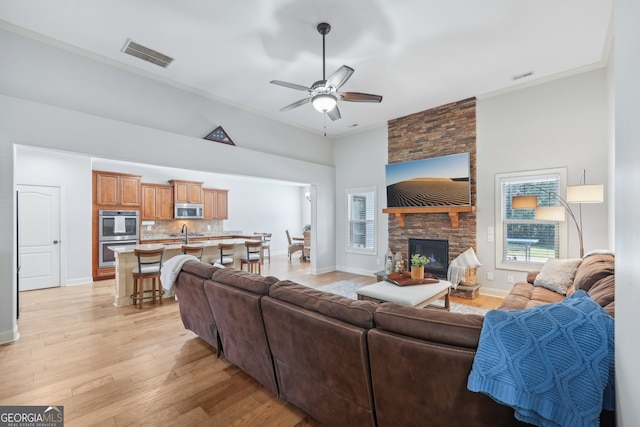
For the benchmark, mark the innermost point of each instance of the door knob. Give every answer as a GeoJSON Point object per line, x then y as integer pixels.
{"type": "Point", "coordinates": [55, 242]}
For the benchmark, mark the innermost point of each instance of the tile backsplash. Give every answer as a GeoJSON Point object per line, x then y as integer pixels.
{"type": "Point", "coordinates": [175, 226]}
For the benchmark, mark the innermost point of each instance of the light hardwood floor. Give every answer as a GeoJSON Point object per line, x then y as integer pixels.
{"type": "Point", "coordinates": [122, 366]}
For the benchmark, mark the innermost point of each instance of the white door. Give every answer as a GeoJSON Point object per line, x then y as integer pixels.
{"type": "Point", "coordinates": [39, 236]}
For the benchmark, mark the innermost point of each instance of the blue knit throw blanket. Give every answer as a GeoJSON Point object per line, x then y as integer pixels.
{"type": "Point", "coordinates": [554, 364]}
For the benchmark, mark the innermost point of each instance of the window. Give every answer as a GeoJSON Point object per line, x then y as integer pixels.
{"type": "Point", "coordinates": [522, 241]}
{"type": "Point", "coordinates": [361, 220]}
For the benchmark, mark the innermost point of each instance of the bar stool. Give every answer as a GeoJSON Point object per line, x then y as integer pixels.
{"type": "Point", "coordinates": [226, 254]}
{"type": "Point", "coordinates": [253, 255]}
{"type": "Point", "coordinates": [266, 245]}
{"type": "Point", "coordinates": [193, 250]}
{"type": "Point", "coordinates": [149, 265]}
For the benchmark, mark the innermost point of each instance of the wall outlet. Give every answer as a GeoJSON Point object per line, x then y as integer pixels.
{"type": "Point", "coordinates": [149, 228]}
{"type": "Point", "coordinates": [208, 227]}
{"type": "Point", "coordinates": [489, 275]}
{"type": "Point", "coordinates": [377, 261]}
{"type": "Point", "coordinates": [510, 278]}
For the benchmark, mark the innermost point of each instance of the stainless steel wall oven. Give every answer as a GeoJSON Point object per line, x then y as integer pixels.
{"type": "Point", "coordinates": [116, 228]}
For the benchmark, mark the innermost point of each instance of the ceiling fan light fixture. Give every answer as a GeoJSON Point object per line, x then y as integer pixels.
{"type": "Point", "coordinates": [324, 102]}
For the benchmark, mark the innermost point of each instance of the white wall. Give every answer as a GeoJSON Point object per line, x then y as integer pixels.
{"type": "Point", "coordinates": [563, 123]}
{"type": "Point", "coordinates": [360, 161]}
{"type": "Point", "coordinates": [39, 72]}
{"type": "Point", "coordinates": [627, 147]}
{"type": "Point", "coordinates": [72, 173]}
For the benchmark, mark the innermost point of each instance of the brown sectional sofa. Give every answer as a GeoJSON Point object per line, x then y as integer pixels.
{"type": "Point", "coordinates": [356, 363]}
{"type": "Point", "coordinates": [595, 275]}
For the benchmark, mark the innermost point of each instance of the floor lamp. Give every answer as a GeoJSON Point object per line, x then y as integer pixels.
{"type": "Point", "coordinates": [581, 193]}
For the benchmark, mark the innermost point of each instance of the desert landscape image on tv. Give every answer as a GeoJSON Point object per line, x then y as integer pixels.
{"type": "Point", "coordinates": [437, 181]}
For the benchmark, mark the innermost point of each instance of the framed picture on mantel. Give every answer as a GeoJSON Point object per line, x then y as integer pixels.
{"type": "Point", "coordinates": [436, 181]}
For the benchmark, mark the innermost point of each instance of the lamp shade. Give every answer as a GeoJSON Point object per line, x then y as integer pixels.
{"type": "Point", "coordinates": [524, 202]}
{"type": "Point", "coordinates": [550, 213]}
{"type": "Point", "coordinates": [585, 193]}
{"type": "Point", "coordinates": [324, 102]}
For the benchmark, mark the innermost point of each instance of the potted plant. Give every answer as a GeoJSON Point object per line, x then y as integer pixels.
{"type": "Point", "coordinates": [417, 266]}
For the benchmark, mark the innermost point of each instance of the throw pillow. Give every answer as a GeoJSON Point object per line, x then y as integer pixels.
{"type": "Point", "coordinates": [557, 274]}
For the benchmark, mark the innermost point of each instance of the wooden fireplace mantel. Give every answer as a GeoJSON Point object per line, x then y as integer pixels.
{"type": "Point", "coordinates": [453, 212]}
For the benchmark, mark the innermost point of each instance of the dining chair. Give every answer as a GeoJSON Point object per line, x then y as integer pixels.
{"type": "Point", "coordinates": [293, 246]}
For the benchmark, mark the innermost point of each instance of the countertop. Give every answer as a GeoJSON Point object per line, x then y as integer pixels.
{"type": "Point", "coordinates": [178, 245]}
{"type": "Point", "coordinates": [178, 236]}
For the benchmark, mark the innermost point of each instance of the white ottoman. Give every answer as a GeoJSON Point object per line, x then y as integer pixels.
{"type": "Point", "coordinates": [412, 296]}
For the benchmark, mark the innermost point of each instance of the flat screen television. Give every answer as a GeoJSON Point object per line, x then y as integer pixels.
{"type": "Point", "coordinates": [436, 181]}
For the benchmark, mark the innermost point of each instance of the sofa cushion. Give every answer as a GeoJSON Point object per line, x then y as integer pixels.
{"type": "Point", "coordinates": [358, 313]}
{"type": "Point", "coordinates": [596, 275]}
{"type": "Point", "coordinates": [234, 297]}
{"type": "Point", "coordinates": [244, 280]}
{"type": "Point", "coordinates": [320, 351]}
{"type": "Point", "coordinates": [195, 311]}
{"type": "Point", "coordinates": [557, 274]}
{"type": "Point", "coordinates": [462, 330]}
{"type": "Point", "coordinates": [525, 295]}
{"type": "Point", "coordinates": [593, 269]}
{"type": "Point", "coordinates": [199, 269]}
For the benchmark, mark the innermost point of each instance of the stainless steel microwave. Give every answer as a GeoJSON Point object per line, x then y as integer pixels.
{"type": "Point", "coordinates": [188, 211]}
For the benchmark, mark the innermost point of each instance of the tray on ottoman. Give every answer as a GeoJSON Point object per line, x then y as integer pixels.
{"type": "Point", "coordinates": [404, 279]}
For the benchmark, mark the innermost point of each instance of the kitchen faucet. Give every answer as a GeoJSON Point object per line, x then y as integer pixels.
{"type": "Point", "coordinates": [185, 230]}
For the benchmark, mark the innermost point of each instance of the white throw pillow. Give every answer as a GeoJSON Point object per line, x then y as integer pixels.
{"type": "Point", "coordinates": [557, 274]}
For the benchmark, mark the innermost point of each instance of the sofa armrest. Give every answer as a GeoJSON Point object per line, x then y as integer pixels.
{"type": "Point", "coordinates": [531, 276]}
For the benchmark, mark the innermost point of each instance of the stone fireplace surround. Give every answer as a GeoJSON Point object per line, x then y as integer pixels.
{"type": "Point", "coordinates": [441, 131]}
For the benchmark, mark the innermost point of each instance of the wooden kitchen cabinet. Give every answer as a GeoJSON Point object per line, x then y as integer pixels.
{"type": "Point", "coordinates": [117, 189]}
{"type": "Point", "coordinates": [157, 201]}
{"type": "Point", "coordinates": [187, 191]}
{"type": "Point", "coordinates": [215, 203]}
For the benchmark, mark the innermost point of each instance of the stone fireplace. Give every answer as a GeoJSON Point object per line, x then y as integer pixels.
{"type": "Point", "coordinates": [437, 251]}
{"type": "Point", "coordinates": [444, 130]}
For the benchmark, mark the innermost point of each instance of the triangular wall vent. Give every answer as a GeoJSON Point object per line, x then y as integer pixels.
{"type": "Point", "coordinates": [134, 49]}
{"type": "Point", "coordinates": [219, 135]}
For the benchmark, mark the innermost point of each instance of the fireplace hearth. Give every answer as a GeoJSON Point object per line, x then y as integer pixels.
{"type": "Point", "coordinates": [437, 251]}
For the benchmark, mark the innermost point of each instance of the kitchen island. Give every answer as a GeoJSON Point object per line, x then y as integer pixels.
{"type": "Point", "coordinates": [126, 261]}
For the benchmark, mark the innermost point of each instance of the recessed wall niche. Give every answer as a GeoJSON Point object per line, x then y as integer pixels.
{"type": "Point", "coordinates": [448, 129]}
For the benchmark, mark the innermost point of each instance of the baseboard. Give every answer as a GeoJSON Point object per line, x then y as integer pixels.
{"type": "Point", "coordinates": [9, 336]}
{"type": "Point", "coordinates": [362, 272]}
{"type": "Point", "coordinates": [80, 281]}
{"type": "Point", "coordinates": [493, 292]}
{"type": "Point", "coordinates": [322, 270]}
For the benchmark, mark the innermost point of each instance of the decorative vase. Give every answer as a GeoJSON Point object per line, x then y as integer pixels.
{"type": "Point", "coordinates": [417, 272]}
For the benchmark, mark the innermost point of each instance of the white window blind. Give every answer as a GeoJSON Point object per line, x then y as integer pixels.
{"type": "Point", "coordinates": [361, 217]}
{"type": "Point", "coordinates": [523, 242]}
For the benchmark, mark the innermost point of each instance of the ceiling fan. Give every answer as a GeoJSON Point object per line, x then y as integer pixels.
{"type": "Point", "coordinates": [324, 94]}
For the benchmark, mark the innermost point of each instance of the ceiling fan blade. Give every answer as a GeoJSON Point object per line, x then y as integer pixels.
{"type": "Point", "coordinates": [359, 97]}
{"type": "Point", "coordinates": [339, 77]}
{"type": "Point", "coordinates": [334, 114]}
{"type": "Point", "coordinates": [290, 85]}
{"type": "Point", "coordinates": [295, 104]}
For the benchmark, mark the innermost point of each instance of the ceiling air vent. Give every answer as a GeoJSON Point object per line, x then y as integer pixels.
{"type": "Point", "coordinates": [134, 49]}
{"type": "Point", "coordinates": [522, 76]}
